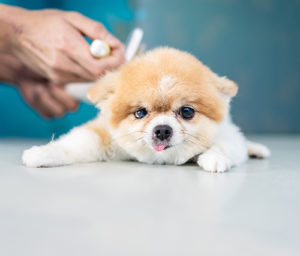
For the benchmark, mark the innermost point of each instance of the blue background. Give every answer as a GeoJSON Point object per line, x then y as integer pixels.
{"type": "Point", "coordinates": [253, 42]}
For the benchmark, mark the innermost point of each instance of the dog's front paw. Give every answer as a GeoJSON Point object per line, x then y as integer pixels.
{"type": "Point", "coordinates": [44, 156]}
{"type": "Point", "coordinates": [213, 161]}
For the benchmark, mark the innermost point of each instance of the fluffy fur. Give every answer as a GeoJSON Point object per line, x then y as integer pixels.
{"type": "Point", "coordinates": [161, 82]}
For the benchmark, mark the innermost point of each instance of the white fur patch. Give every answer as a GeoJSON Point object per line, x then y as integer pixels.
{"type": "Point", "coordinates": [79, 145]}
{"type": "Point", "coordinates": [214, 161]}
{"type": "Point", "coordinates": [164, 119]}
{"type": "Point", "coordinates": [228, 149]}
{"type": "Point", "coordinates": [45, 156]}
{"type": "Point", "coordinates": [166, 83]}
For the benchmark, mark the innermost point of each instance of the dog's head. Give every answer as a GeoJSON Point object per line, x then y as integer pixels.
{"type": "Point", "coordinates": [164, 106]}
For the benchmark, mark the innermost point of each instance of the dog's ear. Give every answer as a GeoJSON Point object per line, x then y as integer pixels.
{"type": "Point", "coordinates": [104, 87]}
{"type": "Point", "coordinates": [226, 86]}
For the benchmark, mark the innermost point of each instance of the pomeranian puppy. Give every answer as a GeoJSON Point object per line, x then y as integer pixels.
{"type": "Point", "coordinates": [164, 107]}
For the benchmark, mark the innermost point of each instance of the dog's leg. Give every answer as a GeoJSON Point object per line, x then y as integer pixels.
{"type": "Point", "coordinates": [228, 149]}
{"type": "Point", "coordinates": [88, 143]}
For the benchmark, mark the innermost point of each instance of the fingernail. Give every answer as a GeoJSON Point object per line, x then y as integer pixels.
{"type": "Point", "coordinates": [111, 39]}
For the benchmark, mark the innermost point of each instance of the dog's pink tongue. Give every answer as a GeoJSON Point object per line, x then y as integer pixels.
{"type": "Point", "coordinates": [159, 147]}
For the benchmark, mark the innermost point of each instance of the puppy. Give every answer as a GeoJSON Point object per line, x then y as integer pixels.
{"type": "Point", "coordinates": [164, 107]}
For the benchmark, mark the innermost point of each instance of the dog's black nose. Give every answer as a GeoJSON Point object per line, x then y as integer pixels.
{"type": "Point", "coordinates": [162, 132]}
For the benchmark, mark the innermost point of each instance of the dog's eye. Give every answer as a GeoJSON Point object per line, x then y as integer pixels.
{"type": "Point", "coordinates": [140, 113]}
{"type": "Point", "coordinates": [186, 112]}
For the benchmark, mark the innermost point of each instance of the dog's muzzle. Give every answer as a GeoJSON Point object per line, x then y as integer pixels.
{"type": "Point", "coordinates": [161, 136]}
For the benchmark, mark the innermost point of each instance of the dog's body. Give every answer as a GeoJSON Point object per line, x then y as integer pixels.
{"type": "Point", "coordinates": [164, 107]}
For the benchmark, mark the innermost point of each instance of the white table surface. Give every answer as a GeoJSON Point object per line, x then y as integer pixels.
{"type": "Point", "coordinates": [127, 208]}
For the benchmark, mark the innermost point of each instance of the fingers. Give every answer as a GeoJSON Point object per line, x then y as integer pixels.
{"type": "Point", "coordinates": [46, 105]}
{"type": "Point", "coordinates": [37, 97]}
{"type": "Point", "coordinates": [48, 100]}
{"type": "Point", "coordinates": [92, 29]}
{"type": "Point", "coordinates": [116, 58]}
{"type": "Point", "coordinates": [59, 65]}
{"type": "Point", "coordinates": [81, 53]}
{"type": "Point", "coordinates": [61, 96]}
{"type": "Point", "coordinates": [65, 70]}
{"type": "Point", "coordinates": [78, 49]}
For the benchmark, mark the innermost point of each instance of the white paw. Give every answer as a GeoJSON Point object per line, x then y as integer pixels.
{"type": "Point", "coordinates": [257, 150]}
{"type": "Point", "coordinates": [212, 161]}
{"type": "Point", "coordinates": [44, 156]}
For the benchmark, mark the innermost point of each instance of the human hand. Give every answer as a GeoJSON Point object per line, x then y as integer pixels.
{"type": "Point", "coordinates": [51, 43]}
{"type": "Point", "coordinates": [47, 98]}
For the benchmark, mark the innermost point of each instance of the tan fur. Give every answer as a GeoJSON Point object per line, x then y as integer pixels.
{"type": "Point", "coordinates": [140, 78]}
{"type": "Point", "coordinates": [137, 85]}
{"type": "Point", "coordinates": [104, 87]}
{"type": "Point", "coordinates": [101, 131]}
{"type": "Point", "coordinates": [227, 86]}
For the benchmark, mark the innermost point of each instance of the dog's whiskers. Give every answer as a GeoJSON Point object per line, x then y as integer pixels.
{"type": "Point", "coordinates": [128, 143]}
{"type": "Point", "coordinates": [125, 135]}
{"type": "Point", "coordinates": [199, 138]}
{"type": "Point", "coordinates": [189, 140]}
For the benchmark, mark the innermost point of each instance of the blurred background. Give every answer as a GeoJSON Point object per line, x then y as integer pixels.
{"type": "Point", "coordinates": [256, 43]}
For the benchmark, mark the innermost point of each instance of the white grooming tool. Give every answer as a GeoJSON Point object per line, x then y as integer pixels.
{"type": "Point", "coordinates": [133, 43]}
{"type": "Point", "coordinates": [79, 90]}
